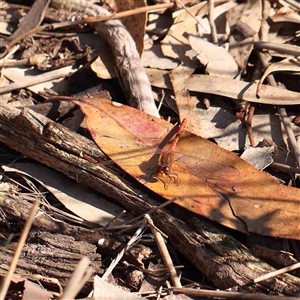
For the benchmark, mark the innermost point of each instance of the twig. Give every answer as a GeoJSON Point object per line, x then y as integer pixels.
{"type": "Point", "coordinates": [8, 55]}
{"type": "Point", "coordinates": [211, 20]}
{"type": "Point", "coordinates": [164, 253]}
{"type": "Point", "coordinates": [283, 115]}
{"type": "Point", "coordinates": [120, 214]}
{"type": "Point", "coordinates": [277, 272]}
{"type": "Point", "coordinates": [285, 168]}
{"type": "Point", "coordinates": [14, 63]}
{"type": "Point", "coordinates": [152, 210]}
{"type": "Point", "coordinates": [228, 295]}
{"type": "Point", "coordinates": [188, 11]}
{"type": "Point", "coordinates": [283, 49]}
{"type": "Point", "coordinates": [248, 123]}
{"type": "Point", "coordinates": [30, 81]}
{"type": "Point", "coordinates": [131, 12]}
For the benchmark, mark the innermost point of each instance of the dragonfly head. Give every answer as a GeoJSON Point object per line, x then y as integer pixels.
{"type": "Point", "coordinates": [162, 170]}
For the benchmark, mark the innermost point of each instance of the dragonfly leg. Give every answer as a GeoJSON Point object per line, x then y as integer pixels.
{"type": "Point", "coordinates": [171, 176]}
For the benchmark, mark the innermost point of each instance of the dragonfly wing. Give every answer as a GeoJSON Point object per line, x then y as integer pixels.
{"type": "Point", "coordinates": [213, 173]}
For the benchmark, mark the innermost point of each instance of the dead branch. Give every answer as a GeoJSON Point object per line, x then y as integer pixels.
{"type": "Point", "coordinates": [220, 257]}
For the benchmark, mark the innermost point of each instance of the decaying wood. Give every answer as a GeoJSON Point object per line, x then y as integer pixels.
{"type": "Point", "coordinates": [220, 257]}
{"type": "Point", "coordinates": [39, 257]}
{"type": "Point", "coordinates": [134, 78]}
{"type": "Point", "coordinates": [54, 248]}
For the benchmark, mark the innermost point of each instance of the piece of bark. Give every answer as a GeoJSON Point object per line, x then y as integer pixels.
{"type": "Point", "coordinates": [51, 255]}
{"type": "Point", "coordinates": [134, 78]}
{"type": "Point", "coordinates": [222, 259]}
{"type": "Point", "coordinates": [54, 247]}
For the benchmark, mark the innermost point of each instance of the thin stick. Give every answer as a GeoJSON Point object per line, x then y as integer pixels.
{"type": "Point", "coordinates": [90, 20]}
{"type": "Point", "coordinates": [188, 11]}
{"type": "Point", "coordinates": [211, 19]}
{"type": "Point", "coordinates": [27, 82]}
{"type": "Point", "coordinates": [152, 210]}
{"type": "Point", "coordinates": [228, 295]}
{"type": "Point", "coordinates": [249, 125]}
{"type": "Point", "coordinates": [283, 115]}
{"type": "Point", "coordinates": [164, 253]}
{"type": "Point", "coordinates": [5, 284]}
{"type": "Point", "coordinates": [277, 272]}
{"type": "Point", "coordinates": [120, 214]}
{"type": "Point", "coordinates": [9, 55]}
{"type": "Point", "coordinates": [285, 168]}
{"type": "Point", "coordinates": [129, 13]}
{"type": "Point", "coordinates": [283, 49]}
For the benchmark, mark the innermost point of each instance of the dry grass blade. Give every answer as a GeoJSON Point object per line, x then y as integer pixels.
{"type": "Point", "coordinates": [121, 253]}
{"type": "Point", "coordinates": [78, 279]}
{"type": "Point", "coordinates": [5, 285]}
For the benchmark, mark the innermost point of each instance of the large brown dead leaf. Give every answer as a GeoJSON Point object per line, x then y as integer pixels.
{"type": "Point", "coordinates": [212, 182]}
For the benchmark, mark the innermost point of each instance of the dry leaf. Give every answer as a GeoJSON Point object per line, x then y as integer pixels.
{"type": "Point", "coordinates": [241, 44]}
{"type": "Point", "coordinates": [216, 59]}
{"type": "Point", "coordinates": [212, 182]}
{"type": "Point", "coordinates": [258, 157]}
{"type": "Point", "coordinates": [176, 45]}
{"type": "Point", "coordinates": [82, 202]}
{"type": "Point", "coordinates": [291, 65]}
{"type": "Point", "coordinates": [285, 14]}
{"type": "Point", "coordinates": [240, 90]}
{"type": "Point", "coordinates": [154, 58]}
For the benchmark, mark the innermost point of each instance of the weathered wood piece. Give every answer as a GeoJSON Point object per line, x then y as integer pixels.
{"type": "Point", "coordinates": [131, 72]}
{"type": "Point", "coordinates": [46, 254]}
{"type": "Point", "coordinates": [221, 258]}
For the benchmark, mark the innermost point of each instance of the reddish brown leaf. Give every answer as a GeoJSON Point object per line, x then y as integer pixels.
{"type": "Point", "coordinates": [212, 182]}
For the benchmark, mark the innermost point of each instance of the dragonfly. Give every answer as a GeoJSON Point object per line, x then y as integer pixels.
{"type": "Point", "coordinates": [215, 174]}
{"type": "Point", "coordinates": [212, 173]}
{"type": "Point", "coordinates": [167, 157]}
